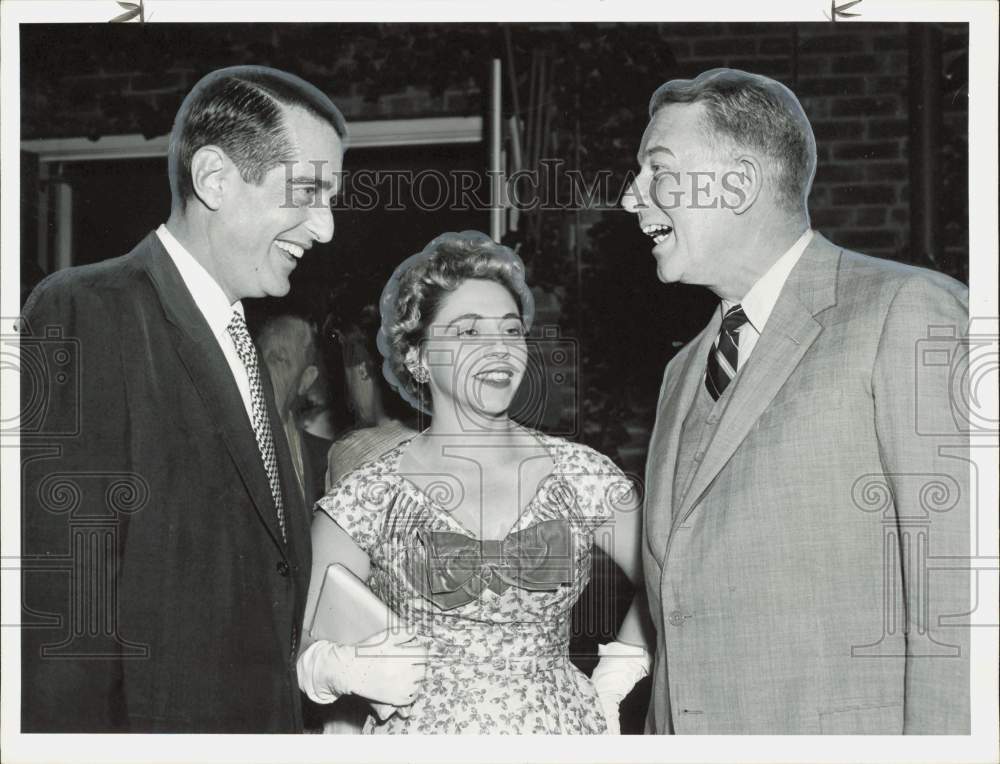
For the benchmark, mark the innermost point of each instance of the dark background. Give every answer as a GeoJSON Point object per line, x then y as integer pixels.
{"type": "Point", "coordinates": [888, 103]}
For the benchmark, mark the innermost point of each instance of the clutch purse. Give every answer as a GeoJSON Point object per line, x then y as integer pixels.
{"type": "Point", "coordinates": [347, 611]}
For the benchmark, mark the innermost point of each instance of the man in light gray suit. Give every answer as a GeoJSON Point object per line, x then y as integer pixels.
{"type": "Point", "coordinates": [799, 507]}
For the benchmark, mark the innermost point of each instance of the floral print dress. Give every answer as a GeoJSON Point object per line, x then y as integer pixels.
{"type": "Point", "coordinates": [495, 613]}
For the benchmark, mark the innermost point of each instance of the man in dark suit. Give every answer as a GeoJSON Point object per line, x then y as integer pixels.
{"type": "Point", "coordinates": [166, 552]}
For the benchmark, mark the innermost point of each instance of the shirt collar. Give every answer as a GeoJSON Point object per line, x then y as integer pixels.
{"type": "Point", "coordinates": [207, 294]}
{"type": "Point", "coordinates": [758, 303]}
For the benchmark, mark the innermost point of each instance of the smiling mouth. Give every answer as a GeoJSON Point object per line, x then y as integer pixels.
{"type": "Point", "coordinates": [294, 250]}
{"type": "Point", "coordinates": [495, 376]}
{"type": "Point", "coordinates": [658, 232]}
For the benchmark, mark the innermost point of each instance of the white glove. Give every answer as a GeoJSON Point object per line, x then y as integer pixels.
{"type": "Point", "coordinates": [616, 673]}
{"type": "Point", "coordinates": [386, 668]}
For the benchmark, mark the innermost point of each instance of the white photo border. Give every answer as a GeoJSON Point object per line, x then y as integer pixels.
{"type": "Point", "coordinates": [982, 745]}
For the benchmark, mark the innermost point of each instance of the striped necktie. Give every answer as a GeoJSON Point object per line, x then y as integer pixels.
{"type": "Point", "coordinates": [245, 349]}
{"type": "Point", "coordinates": [723, 358]}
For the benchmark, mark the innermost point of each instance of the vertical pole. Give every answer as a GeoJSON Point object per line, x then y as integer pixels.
{"type": "Point", "coordinates": [925, 144]}
{"type": "Point", "coordinates": [496, 160]}
{"type": "Point", "coordinates": [63, 193]}
{"type": "Point", "coordinates": [511, 74]}
{"type": "Point", "coordinates": [794, 57]}
{"type": "Point", "coordinates": [577, 249]}
{"type": "Point", "coordinates": [42, 229]}
{"type": "Point", "coordinates": [516, 163]}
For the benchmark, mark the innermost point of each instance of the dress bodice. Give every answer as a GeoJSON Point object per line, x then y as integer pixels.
{"type": "Point", "coordinates": [487, 608]}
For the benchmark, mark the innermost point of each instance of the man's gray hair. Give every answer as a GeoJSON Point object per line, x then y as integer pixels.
{"type": "Point", "coordinates": [757, 113]}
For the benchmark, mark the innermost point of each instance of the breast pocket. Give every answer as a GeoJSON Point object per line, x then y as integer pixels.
{"type": "Point", "coordinates": [813, 406]}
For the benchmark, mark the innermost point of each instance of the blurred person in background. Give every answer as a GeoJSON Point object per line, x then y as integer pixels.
{"type": "Point", "coordinates": [287, 343]}
{"type": "Point", "coordinates": [381, 419]}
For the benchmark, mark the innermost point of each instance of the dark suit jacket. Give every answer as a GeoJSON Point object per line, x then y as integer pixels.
{"type": "Point", "coordinates": [158, 593]}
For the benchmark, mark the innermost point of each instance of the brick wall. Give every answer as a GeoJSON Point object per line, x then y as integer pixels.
{"type": "Point", "coordinates": [88, 80]}
{"type": "Point", "coordinates": [852, 80]}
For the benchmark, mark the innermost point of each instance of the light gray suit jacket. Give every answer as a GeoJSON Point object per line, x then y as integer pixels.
{"type": "Point", "coordinates": [791, 585]}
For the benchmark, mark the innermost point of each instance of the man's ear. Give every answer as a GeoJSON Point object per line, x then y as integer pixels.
{"type": "Point", "coordinates": [307, 379]}
{"type": "Point", "coordinates": [208, 169]}
{"type": "Point", "coordinates": [742, 185]}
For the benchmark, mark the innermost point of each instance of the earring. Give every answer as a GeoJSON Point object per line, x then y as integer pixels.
{"type": "Point", "coordinates": [419, 373]}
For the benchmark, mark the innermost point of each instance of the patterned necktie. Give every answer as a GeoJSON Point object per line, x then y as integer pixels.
{"type": "Point", "coordinates": [261, 423]}
{"type": "Point", "coordinates": [723, 358]}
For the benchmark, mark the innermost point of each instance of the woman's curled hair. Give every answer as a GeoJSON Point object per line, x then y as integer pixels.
{"type": "Point", "coordinates": [413, 295]}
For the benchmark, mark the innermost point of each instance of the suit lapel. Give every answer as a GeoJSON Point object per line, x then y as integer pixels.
{"type": "Point", "coordinates": [788, 335]}
{"type": "Point", "coordinates": [680, 388]}
{"type": "Point", "coordinates": [212, 378]}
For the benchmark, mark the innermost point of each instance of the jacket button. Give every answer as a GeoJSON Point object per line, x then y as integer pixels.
{"type": "Point", "coordinates": [282, 568]}
{"type": "Point", "coordinates": [676, 618]}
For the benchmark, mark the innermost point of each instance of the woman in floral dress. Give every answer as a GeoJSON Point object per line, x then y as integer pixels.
{"type": "Point", "coordinates": [477, 532]}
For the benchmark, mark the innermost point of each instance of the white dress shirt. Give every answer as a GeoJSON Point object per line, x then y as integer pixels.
{"type": "Point", "coordinates": [214, 306]}
{"type": "Point", "coordinates": [758, 303]}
